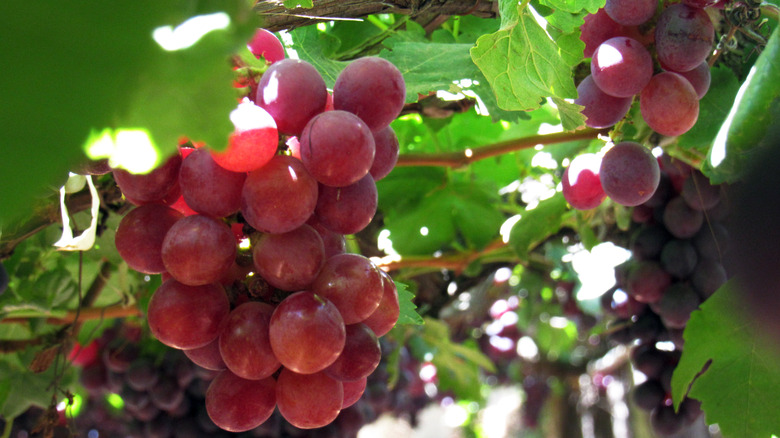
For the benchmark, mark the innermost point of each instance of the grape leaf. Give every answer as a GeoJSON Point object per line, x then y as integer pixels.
{"type": "Point", "coordinates": [739, 384]}
{"type": "Point", "coordinates": [523, 65]}
{"type": "Point", "coordinates": [751, 123]}
{"type": "Point", "coordinates": [408, 313]}
{"type": "Point", "coordinates": [570, 114]}
{"type": "Point", "coordinates": [713, 109]}
{"type": "Point", "coordinates": [315, 47]}
{"type": "Point", "coordinates": [25, 388]}
{"type": "Point", "coordinates": [537, 225]}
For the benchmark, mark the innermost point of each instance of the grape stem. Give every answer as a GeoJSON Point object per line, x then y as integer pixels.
{"type": "Point", "coordinates": [464, 158]}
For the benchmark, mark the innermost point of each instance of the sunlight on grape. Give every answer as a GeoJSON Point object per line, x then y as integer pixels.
{"type": "Point", "coordinates": [718, 151]}
{"type": "Point", "coordinates": [608, 56]}
{"type": "Point", "coordinates": [596, 268]}
{"type": "Point", "coordinates": [248, 116]}
{"type": "Point", "coordinates": [271, 90]}
{"type": "Point", "coordinates": [506, 227]}
{"type": "Point", "coordinates": [190, 32]}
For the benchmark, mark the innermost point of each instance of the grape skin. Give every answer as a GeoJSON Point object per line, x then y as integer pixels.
{"type": "Point", "coordinates": [292, 91]}
{"type": "Point", "coordinates": [152, 186]}
{"type": "Point", "coordinates": [347, 210]}
{"type": "Point", "coordinates": [209, 188]}
{"type": "Point", "coordinates": [601, 110]}
{"type": "Point", "coordinates": [684, 37]}
{"type": "Point", "coordinates": [629, 173]}
{"type": "Point", "coordinates": [237, 405]}
{"type": "Point", "coordinates": [631, 12]}
{"type": "Point", "coordinates": [198, 250]}
{"type": "Point", "coordinates": [244, 341]}
{"type": "Point", "coordinates": [360, 356]}
{"type": "Point", "coordinates": [621, 67]}
{"type": "Point", "coordinates": [289, 261]}
{"type": "Point", "coordinates": [371, 88]}
{"type": "Point", "coordinates": [308, 401]}
{"type": "Point", "coordinates": [598, 28]}
{"type": "Point", "coordinates": [387, 149]}
{"type": "Point", "coordinates": [265, 44]}
{"type": "Point", "coordinates": [353, 283]}
{"type": "Point", "coordinates": [700, 77]}
{"type": "Point", "coordinates": [383, 319]}
{"type": "Point", "coordinates": [139, 237]}
{"type": "Point", "coordinates": [581, 184]}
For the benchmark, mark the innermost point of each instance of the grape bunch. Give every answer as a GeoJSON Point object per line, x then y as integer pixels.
{"type": "Point", "coordinates": [620, 40]}
{"type": "Point", "coordinates": [678, 245]}
{"type": "Point", "coordinates": [250, 243]}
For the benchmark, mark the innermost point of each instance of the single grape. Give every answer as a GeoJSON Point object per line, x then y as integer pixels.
{"type": "Point", "coordinates": [598, 28]}
{"type": "Point", "coordinates": [142, 375]}
{"type": "Point", "coordinates": [289, 261]}
{"type": "Point", "coordinates": [629, 173]}
{"type": "Point", "coordinates": [601, 110]}
{"type": "Point", "coordinates": [308, 401]}
{"type": "Point", "coordinates": [280, 196]}
{"type": "Point", "coordinates": [253, 142]}
{"type": "Point", "coordinates": [679, 258]}
{"type": "Point", "coordinates": [347, 210]}
{"type": "Point", "coordinates": [631, 12]}
{"type": "Point", "coordinates": [665, 421]}
{"type": "Point", "coordinates": [152, 186]}
{"type": "Point", "coordinates": [237, 405]}
{"type": "Point", "coordinates": [712, 241]}
{"type": "Point", "coordinates": [265, 44]}
{"type": "Point", "coordinates": [698, 193]}
{"type": "Point", "coordinates": [708, 277]}
{"type": "Point", "coordinates": [647, 242]}
{"type": "Point", "coordinates": [649, 360]}
{"type": "Point", "coordinates": [681, 220]}
{"type": "Point", "coordinates": [337, 148]}
{"type": "Point", "coordinates": [360, 356]}
{"type": "Point", "coordinates": [700, 77]}
{"type": "Point", "coordinates": [669, 104]}
{"type": "Point", "coordinates": [207, 187]}
{"type": "Point", "coordinates": [649, 395]}
{"type": "Point", "coordinates": [353, 390]}
{"type": "Point", "coordinates": [166, 394]}
{"type": "Point", "coordinates": [373, 89]}
{"type": "Point", "coordinates": [684, 37]}
{"type": "Point", "coordinates": [676, 305]}
{"type": "Point", "coordinates": [307, 332]}
{"type": "Point", "coordinates": [647, 282]}
{"type": "Point", "coordinates": [198, 250]}
{"type": "Point", "coordinates": [581, 183]}
{"type": "Point", "coordinates": [621, 67]}
{"type": "Point", "coordinates": [139, 237]}
{"type": "Point", "coordinates": [244, 344]}
{"type": "Point", "coordinates": [353, 284]}
{"type": "Point", "coordinates": [386, 156]}
{"type": "Point", "coordinates": [383, 319]}
{"type": "Point", "coordinates": [186, 317]}
{"type": "Point", "coordinates": [334, 243]}
{"type": "Point", "coordinates": [292, 91]}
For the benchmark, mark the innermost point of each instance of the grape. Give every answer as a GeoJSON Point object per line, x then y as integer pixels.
{"type": "Point", "coordinates": [289, 261]}
{"type": "Point", "coordinates": [308, 401]}
{"type": "Point", "coordinates": [353, 284]}
{"type": "Point", "coordinates": [683, 37]}
{"type": "Point", "coordinates": [621, 67]}
{"type": "Point", "coordinates": [700, 77]}
{"type": "Point", "coordinates": [581, 183]}
{"type": "Point", "coordinates": [337, 148]}
{"type": "Point", "coordinates": [280, 196]}
{"type": "Point", "coordinates": [669, 104]}
{"type": "Point", "coordinates": [699, 193]}
{"type": "Point", "coordinates": [94, 377]}
{"type": "Point", "coordinates": [265, 44]}
{"type": "Point", "coordinates": [198, 250]}
{"type": "Point", "coordinates": [140, 235]}
{"type": "Point", "coordinates": [353, 390]}
{"type": "Point", "coordinates": [596, 29]}
{"type": "Point", "coordinates": [141, 375]}
{"type": "Point", "coordinates": [360, 356]}
{"type": "Point", "coordinates": [237, 405]}
{"type": "Point", "coordinates": [648, 242]}
{"type": "Point", "coordinates": [681, 220]}
{"type": "Point", "coordinates": [649, 395]}
{"type": "Point", "coordinates": [631, 12]}
{"type": "Point", "coordinates": [208, 188]}
{"type": "Point", "coordinates": [629, 173]}
{"type": "Point", "coordinates": [186, 317]}
{"type": "Point", "coordinates": [712, 241]}
{"type": "Point", "coordinates": [679, 258]}
{"type": "Point", "coordinates": [676, 305]}
{"type": "Point", "coordinates": [647, 327]}
{"type": "Point", "coordinates": [334, 243]}
{"type": "Point", "coordinates": [292, 91]}
{"type": "Point", "coordinates": [307, 332]}
{"type": "Point", "coordinates": [207, 356]}
{"type": "Point", "coordinates": [647, 282]}
{"type": "Point", "coordinates": [150, 187]}
{"type": "Point", "coordinates": [386, 143]}
{"type": "Point", "coordinates": [166, 394]}
{"type": "Point", "coordinates": [690, 409]}
{"type": "Point", "coordinates": [665, 421]}
{"type": "Point", "coordinates": [383, 319]}
{"type": "Point", "coordinates": [160, 426]}
{"type": "Point", "coordinates": [622, 305]}
{"type": "Point", "coordinates": [254, 141]}
{"type": "Point", "coordinates": [601, 110]}
{"type": "Point", "coordinates": [371, 88]}
{"type": "Point", "coordinates": [347, 210]}
{"type": "Point", "coordinates": [244, 343]}
{"type": "Point", "coordinates": [708, 277]}
{"type": "Point", "coordinates": [649, 360]}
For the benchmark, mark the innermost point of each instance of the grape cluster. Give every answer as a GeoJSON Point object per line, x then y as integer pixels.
{"type": "Point", "coordinates": [677, 244]}
{"type": "Point", "coordinates": [617, 38]}
{"type": "Point", "coordinates": [290, 320]}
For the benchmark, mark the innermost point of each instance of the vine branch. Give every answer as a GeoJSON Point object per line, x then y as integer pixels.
{"type": "Point", "coordinates": [464, 158]}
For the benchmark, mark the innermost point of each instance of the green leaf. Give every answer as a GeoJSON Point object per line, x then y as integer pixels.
{"type": "Point", "coordinates": [570, 113]}
{"type": "Point", "coordinates": [537, 225]}
{"type": "Point", "coordinates": [315, 47]}
{"type": "Point", "coordinates": [25, 388]}
{"type": "Point", "coordinates": [752, 121]}
{"type": "Point", "coordinates": [430, 66]}
{"type": "Point", "coordinates": [523, 65]}
{"type": "Point", "coordinates": [740, 389]}
{"type": "Point", "coordinates": [424, 229]}
{"type": "Point", "coordinates": [292, 4]}
{"type": "Point", "coordinates": [409, 313]}
{"type": "Point", "coordinates": [575, 6]}
{"type": "Point", "coordinates": [713, 109]}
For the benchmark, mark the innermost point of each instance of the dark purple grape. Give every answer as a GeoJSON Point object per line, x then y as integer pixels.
{"type": "Point", "coordinates": [292, 91]}
{"type": "Point", "coordinates": [676, 305]}
{"type": "Point", "coordinates": [371, 88]}
{"type": "Point", "coordinates": [629, 173]}
{"type": "Point", "coordinates": [708, 277]}
{"type": "Point", "coordinates": [649, 395]}
{"type": "Point", "coordinates": [681, 220]}
{"type": "Point", "coordinates": [665, 421]}
{"type": "Point", "coordinates": [166, 394]}
{"type": "Point", "coordinates": [648, 242]}
{"type": "Point", "coordinates": [679, 258]}
{"type": "Point", "coordinates": [712, 241]}
{"type": "Point", "coordinates": [142, 375]}
{"type": "Point", "coordinates": [621, 67]}
{"type": "Point", "coordinates": [601, 110]}
{"type": "Point", "coordinates": [647, 281]}
{"type": "Point", "coordinates": [631, 12]}
{"type": "Point", "coordinates": [684, 37]}
{"type": "Point", "coordinates": [699, 193]}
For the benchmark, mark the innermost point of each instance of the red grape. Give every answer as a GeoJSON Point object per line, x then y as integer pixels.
{"type": "Point", "coordinates": [289, 261]}
{"type": "Point", "coordinates": [383, 319]}
{"type": "Point", "coordinates": [647, 282]}
{"type": "Point", "coordinates": [700, 77]}
{"type": "Point", "coordinates": [347, 210]}
{"type": "Point", "coordinates": [139, 237]}
{"type": "Point", "coordinates": [581, 184]}
{"type": "Point", "coordinates": [669, 104]}
{"type": "Point", "coordinates": [631, 12]}
{"type": "Point", "coordinates": [207, 356]}
{"type": "Point", "coordinates": [333, 242]}
{"type": "Point", "coordinates": [629, 173]}
{"type": "Point", "coordinates": [386, 156]}
{"type": "Point", "coordinates": [307, 332]}
{"type": "Point", "coordinates": [244, 343]}
{"type": "Point", "coordinates": [681, 220]}
{"type": "Point", "coordinates": [280, 196]}
{"type": "Point", "coordinates": [198, 250]}
{"type": "Point", "coordinates": [265, 44]}
{"type": "Point", "coordinates": [308, 401]}
{"type": "Point", "coordinates": [371, 88]}
{"type": "Point", "coordinates": [292, 91]}
{"type": "Point", "coordinates": [621, 67]}
{"type": "Point", "coordinates": [209, 188]}
{"type": "Point", "coordinates": [237, 404]}
{"type": "Point", "coordinates": [353, 390]}
{"type": "Point", "coordinates": [360, 356]}
{"type": "Point", "coordinates": [598, 28]}
{"type": "Point", "coordinates": [683, 37]}
{"type": "Point", "coordinates": [150, 187]}
{"type": "Point", "coordinates": [186, 317]}
{"type": "Point", "coordinates": [353, 283]}
{"type": "Point", "coordinates": [601, 110]}
{"type": "Point", "coordinates": [254, 141]}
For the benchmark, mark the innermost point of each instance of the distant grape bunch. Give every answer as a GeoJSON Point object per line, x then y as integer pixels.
{"type": "Point", "coordinates": [250, 243]}
{"type": "Point", "coordinates": [678, 244]}
{"type": "Point", "coordinates": [620, 40]}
